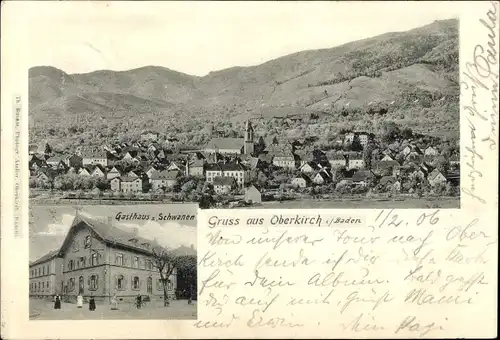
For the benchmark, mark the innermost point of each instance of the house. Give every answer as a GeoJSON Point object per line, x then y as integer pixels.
{"type": "Point", "coordinates": [176, 165]}
{"type": "Point", "coordinates": [45, 275]}
{"type": "Point", "coordinates": [149, 135]}
{"type": "Point", "coordinates": [113, 173]}
{"type": "Point", "coordinates": [302, 157]}
{"type": "Point", "coordinates": [301, 181]}
{"type": "Point", "coordinates": [337, 160]}
{"type": "Point", "coordinates": [411, 149]}
{"type": "Point", "coordinates": [431, 151]}
{"type": "Point", "coordinates": [363, 139]}
{"type": "Point", "coordinates": [355, 161]}
{"type": "Point", "coordinates": [195, 168]}
{"type": "Point", "coordinates": [253, 195]}
{"type": "Point", "coordinates": [284, 160]}
{"type": "Point", "coordinates": [309, 167]}
{"type": "Point", "coordinates": [436, 177]}
{"type": "Point", "coordinates": [84, 171]}
{"type": "Point", "coordinates": [349, 138]}
{"type": "Point", "coordinates": [388, 157]}
{"type": "Point", "coordinates": [127, 184]}
{"type": "Point", "coordinates": [225, 145]}
{"type": "Point", "coordinates": [133, 173]}
{"type": "Point", "coordinates": [454, 159]}
{"type": "Point", "coordinates": [385, 167]}
{"type": "Point", "coordinates": [362, 177]}
{"type": "Point", "coordinates": [235, 170]}
{"type": "Point", "coordinates": [321, 178]}
{"type": "Point", "coordinates": [102, 260]}
{"type": "Point", "coordinates": [150, 171]}
{"type": "Point", "coordinates": [153, 147]}
{"type": "Point", "coordinates": [164, 179]}
{"type": "Point", "coordinates": [55, 160]}
{"type": "Point", "coordinates": [74, 161]}
{"type": "Point", "coordinates": [99, 171]}
{"type": "Point", "coordinates": [224, 185]}
{"type": "Point", "coordinates": [95, 157]}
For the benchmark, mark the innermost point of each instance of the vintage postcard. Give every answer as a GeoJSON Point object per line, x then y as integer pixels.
{"type": "Point", "coordinates": [249, 169]}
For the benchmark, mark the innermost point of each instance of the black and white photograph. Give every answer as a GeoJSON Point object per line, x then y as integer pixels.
{"type": "Point", "coordinates": [113, 262]}
{"type": "Point", "coordinates": [228, 110]}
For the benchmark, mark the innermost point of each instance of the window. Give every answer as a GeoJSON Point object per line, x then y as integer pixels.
{"type": "Point", "coordinates": [47, 285]}
{"type": "Point", "coordinates": [136, 262]}
{"type": "Point", "coordinates": [43, 285]}
{"type": "Point", "coordinates": [120, 282]}
{"type": "Point", "coordinates": [150, 285]}
{"type": "Point", "coordinates": [159, 284]}
{"type": "Point", "coordinates": [38, 289]}
{"type": "Point", "coordinates": [135, 282]}
{"type": "Point", "coordinates": [48, 269]}
{"type": "Point", "coordinates": [71, 284]}
{"type": "Point", "coordinates": [81, 285]}
{"type": "Point", "coordinates": [94, 259]}
{"type": "Point", "coordinates": [149, 265]}
{"type": "Point", "coordinates": [170, 285]}
{"type": "Point", "coordinates": [71, 265]}
{"type": "Point", "coordinates": [119, 259]}
{"type": "Point", "coordinates": [88, 242]}
{"type": "Point", "coordinates": [93, 282]}
{"type": "Point", "coordinates": [76, 245]}
{"type": "Point", "coordinates": [83, 261]}
{"type": "Point", "coordinates": [43, 270]}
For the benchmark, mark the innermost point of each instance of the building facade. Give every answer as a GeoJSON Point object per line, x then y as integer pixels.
{"type": "Point", "coordinates": [101, 260]}
{"type": "Point", "coordinates": [45, 275]}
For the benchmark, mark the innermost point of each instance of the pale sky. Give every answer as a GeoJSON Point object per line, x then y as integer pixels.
{"type": "Point", "coordinates": [198, 37]}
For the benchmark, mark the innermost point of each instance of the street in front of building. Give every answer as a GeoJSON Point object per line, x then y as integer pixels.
{"type": "Point", "coordinates": [42, 309]}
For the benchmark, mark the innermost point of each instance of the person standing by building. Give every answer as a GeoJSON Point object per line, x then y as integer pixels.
{"type": "Point", "coordinates": [79, 301]}
{"type": "Point", "coordinates": [92, 303]}
{"type": "Point", "coordinates": [114, 302]}
{"type": "Point", "coordinates": [57, 303]}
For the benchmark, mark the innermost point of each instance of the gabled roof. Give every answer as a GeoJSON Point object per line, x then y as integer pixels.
{"type": "Point", "coordinates": [109, 234]}
{"type": "Point", "coordinates": [362, 175]}
{"type": "Point", "coordinates": [94, 154]}
{"type": "Point", "coordinates": [313, 165]}
{"type": "Point", "coordinates": [434, 174]}
{"type": "Point", "coordinates": [225, 143]}
{"type": "Point", "coordinates": [165, 175]}
{"type": "Point", "coordinates": [47, 257]}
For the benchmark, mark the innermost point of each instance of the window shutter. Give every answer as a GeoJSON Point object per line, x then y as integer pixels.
{"type": "Point", "coordinates": [116, 258]}
{"type": "Point", "coordinates": [88, 280]}
{"type": "Point", "coordinates": [125, 282]}
{"type": "Point", "coordinates": [97, 281]}
{"type": "Point", "coordinates": [140, 284]}
{"type": "Point", "coordinates": [115, 278]}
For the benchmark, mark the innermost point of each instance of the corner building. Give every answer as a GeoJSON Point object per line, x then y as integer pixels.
{"type": "Point", "coordinates": [101, 260]}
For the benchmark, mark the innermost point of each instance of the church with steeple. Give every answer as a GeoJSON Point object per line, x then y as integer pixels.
{"type": "Point", "coordinates": [245, 145]}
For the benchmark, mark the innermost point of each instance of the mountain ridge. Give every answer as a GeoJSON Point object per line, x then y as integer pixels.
{"type": "Point", "coordinates": [415, 68]}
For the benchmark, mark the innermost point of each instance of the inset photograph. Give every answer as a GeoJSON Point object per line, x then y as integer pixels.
{"type": "Point", "coordinates": [113, 262]}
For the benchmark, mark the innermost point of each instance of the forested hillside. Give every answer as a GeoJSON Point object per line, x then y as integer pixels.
{"type": "Point", "coordinates": [410, 78]}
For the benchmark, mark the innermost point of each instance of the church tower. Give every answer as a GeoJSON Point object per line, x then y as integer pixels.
{"type": "Point", "coordinates": [249, 143]}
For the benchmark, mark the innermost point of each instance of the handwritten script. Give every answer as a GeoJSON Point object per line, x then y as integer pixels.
{"type": "Point", "coordinates": [422, 268]}
{"type": "Point", "coordinates": [480, 81]}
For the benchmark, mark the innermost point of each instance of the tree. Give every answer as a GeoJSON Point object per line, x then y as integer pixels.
{"type": "Point", "coordinates": [389, 131]}
{"type": "Point", "coordinates": [48, 149]}
{"type": "Point", "coordinates": [166, 262]}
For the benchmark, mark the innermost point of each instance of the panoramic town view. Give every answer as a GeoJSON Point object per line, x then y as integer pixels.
{"type": "Point", "coordinates": [369, 124]}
